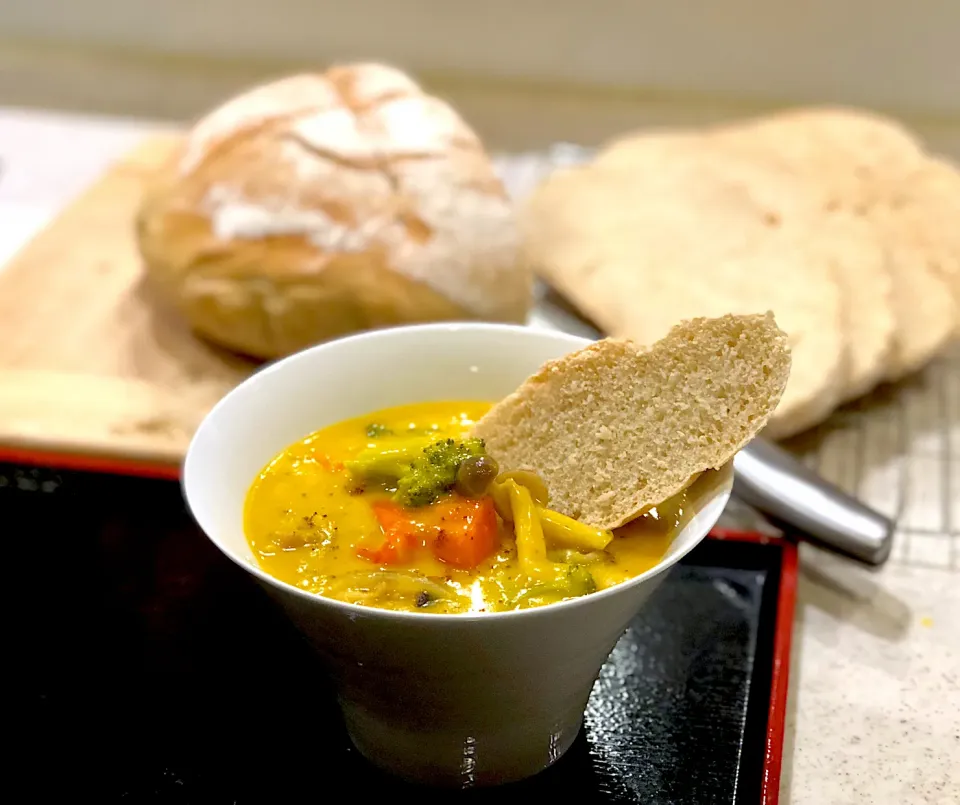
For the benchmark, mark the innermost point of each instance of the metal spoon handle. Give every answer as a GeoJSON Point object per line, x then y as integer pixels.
{"type": "Point", "coordinates": [788, 493]}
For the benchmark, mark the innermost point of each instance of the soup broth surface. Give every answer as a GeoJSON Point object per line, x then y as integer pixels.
{"type": "Point", "coordinates": [312, 525]}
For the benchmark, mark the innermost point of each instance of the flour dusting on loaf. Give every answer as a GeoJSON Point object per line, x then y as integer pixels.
{"type": "Point", "coordinates": [616, 428]}
{"type": "Point", "coordinates": [323, 204]}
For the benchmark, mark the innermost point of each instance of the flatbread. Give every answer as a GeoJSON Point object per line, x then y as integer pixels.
{"type": "Point", "coordinates": [865, 166]}
{"type": "Point", "coordinates": [871, 167]}
{"type": "Point", "coordinates": [686, 232]}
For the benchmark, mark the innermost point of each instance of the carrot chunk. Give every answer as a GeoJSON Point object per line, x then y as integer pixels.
{"type": "Point", "coordinates": [466, 530]}
{"type": "Point", "coordinates": [400, 535]}
{"type": "Point", "coordinates": [460, 531]}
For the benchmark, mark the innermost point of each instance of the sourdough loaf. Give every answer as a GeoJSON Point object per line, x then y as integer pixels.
{"type": "Point", "coordinates": [616, 428]}
{"type": "Point", "coordinates": [323, 204]}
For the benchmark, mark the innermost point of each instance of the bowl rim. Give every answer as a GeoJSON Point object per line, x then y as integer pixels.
{"type": "Point", "coordinates": [354, 611]}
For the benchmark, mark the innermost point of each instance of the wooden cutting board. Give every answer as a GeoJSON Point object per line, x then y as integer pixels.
{"type": "Point", "coordinates": [95, 371]}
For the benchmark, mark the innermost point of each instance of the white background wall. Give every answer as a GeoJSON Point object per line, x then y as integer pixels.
{"type": "Point", "coordinates": [700, 57]}
{"type": "Point", "coordinates": [886, 52]}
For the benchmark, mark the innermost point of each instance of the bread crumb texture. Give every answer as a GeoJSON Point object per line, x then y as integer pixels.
{"type": "Point", "coordinates": [616, 428]}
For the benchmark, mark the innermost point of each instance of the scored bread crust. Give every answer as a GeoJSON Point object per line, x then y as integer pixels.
{"type": "Point", "coordinates": [616, 428]}
{"type": "Point", "coordinates": [323, 204]}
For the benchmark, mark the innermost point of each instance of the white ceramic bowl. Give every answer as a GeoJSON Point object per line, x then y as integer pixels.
{"type": "Point", "coordinates": [459, 700]}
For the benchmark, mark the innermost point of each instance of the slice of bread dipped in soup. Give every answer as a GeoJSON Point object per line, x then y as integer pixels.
{"type": "Point", "coordinates": [616, 428]}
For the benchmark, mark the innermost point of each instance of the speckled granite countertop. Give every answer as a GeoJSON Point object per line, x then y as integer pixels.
{"type": "Point", "coordinates": [874, 711]}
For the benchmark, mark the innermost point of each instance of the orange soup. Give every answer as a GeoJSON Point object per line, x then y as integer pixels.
{"type": "Point", "coordinates": [401, 509]}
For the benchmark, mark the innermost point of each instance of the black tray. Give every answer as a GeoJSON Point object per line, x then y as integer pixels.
{"type": "Point", "coordinates": [144, 658]}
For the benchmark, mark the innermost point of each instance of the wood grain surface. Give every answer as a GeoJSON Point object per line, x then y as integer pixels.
{"type": "Point", "coordinates": [91, 362]}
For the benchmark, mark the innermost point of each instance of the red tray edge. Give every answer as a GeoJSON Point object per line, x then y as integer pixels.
{"type": "Point", "coordinates": [786, 601]}
{"type": "Point", "coordinates": [780, 675]}
{"type": "Point", "coordinates": [107, 465]}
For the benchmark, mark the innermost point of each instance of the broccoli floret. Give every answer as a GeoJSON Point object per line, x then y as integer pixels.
{"type": "Point", "coordinates": [420, 487]}
{"type": "Point", "coordinates": [434, 472]}
{"type": "Point", "coordinates": [421, 473]}
{"type": "Point", "coordinates": [375, 430]}
{"type": "Point", "coordinates": [450, 454]}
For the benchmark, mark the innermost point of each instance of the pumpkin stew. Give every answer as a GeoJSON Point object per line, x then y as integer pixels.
{"type": "Point", "coordinates": [402, 509]}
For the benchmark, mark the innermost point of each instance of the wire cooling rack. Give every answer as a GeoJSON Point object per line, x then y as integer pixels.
{"type": "Point", "coordinates": [897, 449]}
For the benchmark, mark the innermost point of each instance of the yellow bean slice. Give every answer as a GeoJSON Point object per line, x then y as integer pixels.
{"type": "Point", "coordinates": [530, 481]}
{"type": "Point", "coordinates": [569, 533]}
{"type": "Point", "coordinates": [531, 546]}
